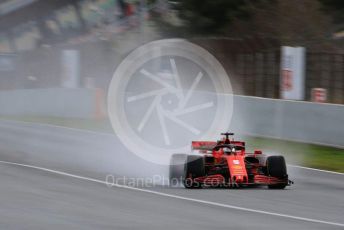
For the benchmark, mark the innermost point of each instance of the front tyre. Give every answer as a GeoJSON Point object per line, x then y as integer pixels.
{"type": "Point", "coordinates": [276, 167]}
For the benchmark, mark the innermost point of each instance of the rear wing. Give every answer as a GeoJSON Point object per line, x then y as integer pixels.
{"type": "Point", "coordinates": [203, 145]}
{"type": "Point", "coordinates": [210, 145]}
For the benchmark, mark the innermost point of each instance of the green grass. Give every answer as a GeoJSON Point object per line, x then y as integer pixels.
{"type": "Point", "coordinates": [308, 155]}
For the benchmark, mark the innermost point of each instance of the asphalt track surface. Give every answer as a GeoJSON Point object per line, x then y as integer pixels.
{"type": "Point", "coordinates": [35, 198]}
{"type": "Point", "coordinates": [38, 198]}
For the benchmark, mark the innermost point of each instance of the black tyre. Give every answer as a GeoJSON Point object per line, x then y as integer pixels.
{"type": "Point", "coordinates": [176, 172]}
{"type": "Point", "coordinates": [276, 167]}
{"type": "Point", "coordinates": [194, 167]}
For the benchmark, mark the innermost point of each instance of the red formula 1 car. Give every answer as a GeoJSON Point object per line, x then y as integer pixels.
{"type": "Point", "coordinates": [225, 163]}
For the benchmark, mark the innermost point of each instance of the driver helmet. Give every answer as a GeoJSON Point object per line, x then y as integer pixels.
{"type": "Point", "coordinates": [227, 150]}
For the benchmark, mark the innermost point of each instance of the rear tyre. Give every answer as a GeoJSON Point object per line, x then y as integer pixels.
{"type": "Point", "coordinates": [276, 167]}
{"type": "Point", "coordinates": [176, 172]}
{"type": "Point", "coordinates": [194, 167]}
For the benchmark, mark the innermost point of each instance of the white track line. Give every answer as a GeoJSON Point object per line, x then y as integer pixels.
{"type": "Point", "coordinates": [314, 169]}
{"type": "Point", "coordinates": [179, 197]}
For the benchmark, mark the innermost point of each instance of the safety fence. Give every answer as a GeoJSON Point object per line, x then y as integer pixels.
{"type": "Point", "coordinates": [254, 67]}
{"type": "Point", "coordinates": [253, 71]}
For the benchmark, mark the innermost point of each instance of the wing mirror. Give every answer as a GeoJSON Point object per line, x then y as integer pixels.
{"type": "Point", "coordinates": [257, 152]}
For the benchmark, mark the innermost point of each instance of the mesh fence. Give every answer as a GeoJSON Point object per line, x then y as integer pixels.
{"type": "Point", "coordinates": [254, 69]}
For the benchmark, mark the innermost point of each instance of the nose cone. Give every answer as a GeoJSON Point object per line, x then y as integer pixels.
{"type": "Point", "coordinates": [238, 179]}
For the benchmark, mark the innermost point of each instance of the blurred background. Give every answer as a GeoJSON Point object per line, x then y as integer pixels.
{"type": "Point", "coordinates": [57, 58]}
{"type": "Point", "coordinates": [245, 36]}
